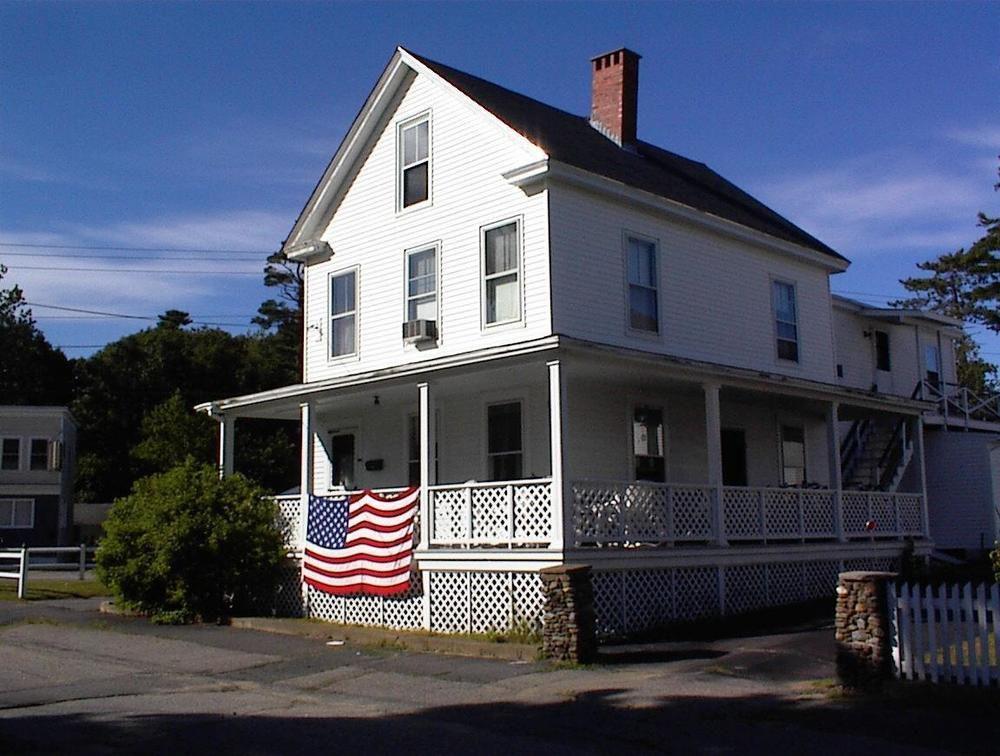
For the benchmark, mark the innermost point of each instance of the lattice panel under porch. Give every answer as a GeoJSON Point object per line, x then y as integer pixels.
{"type": "Point", "coordinates": [288, 598]}
{"type": "Point", "coordinates": [529, 600]}
{"type": "Point", "coordinates": [746, 588]}
{"type": "Point", "coordinates": [696, 592]}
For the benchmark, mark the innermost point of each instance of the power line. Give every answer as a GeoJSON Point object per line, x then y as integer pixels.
{"type": "Point", "coordinates": [138, 249]}
{"type": "Point", "coordinates": [158, 271]}
{"type": "Point", "coordinates": [36, 255]}
{"type": "Point", "coordinates": [128, 316]}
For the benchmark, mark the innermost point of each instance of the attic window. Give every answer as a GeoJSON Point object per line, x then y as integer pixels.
{"type": "Point", "coordinates": [414, 161]}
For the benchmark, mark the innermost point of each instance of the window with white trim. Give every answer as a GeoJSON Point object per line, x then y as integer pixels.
{"type": "Point", "coordinates": [502, 273]}
{"type": "Point", "coordinates": [421, 284]}
{"type": "Point", "coordinates": [793, 455]}
{"type": "Point", "coordinates": [504, 443]}
{"type": "Point", "coordinates": [648, 444]}
{"type": "Point", "coordinates": [643, 289]}
{"type": "Point", "coordinates": [17, 513]}
{"type": "Point", "coordinates": [10, 454]}
{"type": "Point", "coordinates": [344, 313]}
{"type": "Point", "coordinates": [38, 456]}
{"type": "Point", "coordinates": [414, 162]}
{"type": "Point", "coordinates": [786, 328]}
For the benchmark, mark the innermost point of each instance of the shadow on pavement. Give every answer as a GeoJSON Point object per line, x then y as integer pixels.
{"type": "Point", "coordinates": [595, 722]}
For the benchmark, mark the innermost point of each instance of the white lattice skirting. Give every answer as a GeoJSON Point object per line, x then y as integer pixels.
{"type": "Point", "coordinates": [631, 601]}
{"type": "Point", "coordinates": [625, 601]}
{"type": "Point", "coordinates": [460, 602]}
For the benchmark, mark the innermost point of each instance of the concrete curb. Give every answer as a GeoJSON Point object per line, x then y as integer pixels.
{"type": "Point", "coordinates": [377, 636]}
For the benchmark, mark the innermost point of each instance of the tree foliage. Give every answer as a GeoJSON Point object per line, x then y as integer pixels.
{"type": "Point", "coordinates": [282, 317]}
{"type": "Point", "coordinates": [964, 284]}
{"type": "Point", "coordinates": [185, 544]}
{"type": "Point", "coordinates": [32, 371]}
{"type": "Point", "coordinates": [161, 373]}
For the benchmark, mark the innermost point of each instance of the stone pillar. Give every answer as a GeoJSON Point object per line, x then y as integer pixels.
{"type": "Point", "coordinates": [864, 655]}
{"type": "Point", "coordinates": [569, 629]}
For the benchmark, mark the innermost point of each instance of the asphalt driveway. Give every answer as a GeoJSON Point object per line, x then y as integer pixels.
{"type": "Point", "coordinates": [73, 680]}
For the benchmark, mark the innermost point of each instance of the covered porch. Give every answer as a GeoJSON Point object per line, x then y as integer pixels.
{"type": "Point", "coordinates": [573, 453]}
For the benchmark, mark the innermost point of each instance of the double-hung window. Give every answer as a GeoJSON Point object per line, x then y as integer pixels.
{"type": "Point", "coordinates": [421, 284]}
{"type": "Point", "coordinates": [414, 161]}
{"type": "Point", "coordinates": [10, 454]}
{"type": "Point", "coordinates": [502, 273]}
{"type": "Point", "coordinates": [648, 444]}
{"type": "Point", "coordinates": [793, 455]}
{"type": "Point", "coordinates": [38, 458]}
{"type": "Point", "coordinates": [344, 313]}
{"type": "Point", "coordinates": [786, 327]}
{"type": "Point", "coordinates": [504, 445]}
{"type": "Point", "coordinates": [643, 294]}
{"type": "Point", "coordinates": [17, 513]}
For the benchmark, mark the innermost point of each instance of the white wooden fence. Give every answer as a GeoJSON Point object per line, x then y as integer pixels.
{"type": "Point", "coordinates": [22, 558]}
{"type": "Point", "coordinates": [947, 634]}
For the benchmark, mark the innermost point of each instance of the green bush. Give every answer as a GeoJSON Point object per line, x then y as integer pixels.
{"type": "Point", "coordinates": [995, 561]}
{"type": "Point", "coordinates": [185, 545]}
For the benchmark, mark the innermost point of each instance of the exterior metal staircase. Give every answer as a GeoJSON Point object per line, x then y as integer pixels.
{"type": "Point", "coordinates": [874, 454]}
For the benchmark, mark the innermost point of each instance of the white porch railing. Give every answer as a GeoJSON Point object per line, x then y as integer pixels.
{"type": "Point", "coordinates": [955, 401]}
{"type": "Point", "coordinates": [290, 519]}
{"type": "Point", "coordinates": [611, 513]}
{"type": "Point", "coordinates": [516, 513]}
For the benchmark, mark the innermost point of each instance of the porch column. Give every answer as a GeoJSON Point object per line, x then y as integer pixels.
{"type": "Point", "coordinates": [307, 413]}
{"type": "Point", "coordinates": [918, 454]}
{"type": "Point", "coordinates": [560, 516]}
{"type": "Point", "coordinates": [227, 440]}
{"type": "Point", "coordinates": [833, 457]}
{"type": "Point", "coordinates": [427, 446]}
{"type": "Point", "coordinates": [713, 447]}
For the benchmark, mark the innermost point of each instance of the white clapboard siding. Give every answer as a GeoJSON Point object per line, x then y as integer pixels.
{"type": "Point", "coordinates": [948, 635]}
{"type": "Point", "coordinates": [715, 293]}
{"type": "Point", "coordinates": [469, 150]}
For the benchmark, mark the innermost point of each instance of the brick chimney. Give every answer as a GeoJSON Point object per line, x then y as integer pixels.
{"type": "Point", "coordinates": [614, 94]}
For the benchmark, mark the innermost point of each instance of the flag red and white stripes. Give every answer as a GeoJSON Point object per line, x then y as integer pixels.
{"type": "Point", "coordinates": [360, 543]}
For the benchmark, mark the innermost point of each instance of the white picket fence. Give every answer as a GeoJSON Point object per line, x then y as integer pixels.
{"type": "Point", "coordinates": [946, 634]}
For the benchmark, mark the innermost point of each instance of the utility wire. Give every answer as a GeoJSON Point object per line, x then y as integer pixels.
{"type": "Point", "coordinates": [139, 249]}
{"type": "Point", "coordinates": [130, 316]}
{"type": "Point", "coordinates": [46, 256]}
{"type": "Point", "coordinates": [158, 271]}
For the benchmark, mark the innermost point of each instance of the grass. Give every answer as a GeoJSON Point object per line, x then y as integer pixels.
{"type": "Point", "coordinates": [959, 656]}
{"type": "Point", "coordinates": [46, 590]}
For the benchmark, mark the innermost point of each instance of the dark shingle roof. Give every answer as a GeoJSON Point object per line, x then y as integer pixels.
{"type": "Point", "coordinates": [571, 139]}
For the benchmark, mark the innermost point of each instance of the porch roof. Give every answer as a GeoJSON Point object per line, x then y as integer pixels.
{"type": "Point", "coordinates": [283, 402]}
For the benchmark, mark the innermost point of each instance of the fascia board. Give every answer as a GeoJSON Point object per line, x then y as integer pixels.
{"type": "Point", "coordinates": [320, 204]}
{"type": "Point", "coordinates": [557, 172]}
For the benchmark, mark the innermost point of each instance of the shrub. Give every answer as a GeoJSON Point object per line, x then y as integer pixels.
{"type": "Point", "coordinates": [184, 545]}
{"type": "Point", "coordinates": [995, 561]}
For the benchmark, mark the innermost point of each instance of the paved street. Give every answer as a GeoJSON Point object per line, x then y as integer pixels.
{"type": "Point", "coordinates": [75, 681]}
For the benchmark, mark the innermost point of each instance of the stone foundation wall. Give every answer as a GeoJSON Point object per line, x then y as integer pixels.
{"type": "Point", "coordinates": [568, 625]}
{"type": "Point", "coordinates": [864, 654]}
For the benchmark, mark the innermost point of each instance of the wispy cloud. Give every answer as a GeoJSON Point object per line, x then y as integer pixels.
{"type": "Point", "coordinates": [987, 136]}
{"type": "Point", "coordinates": [132, 281]}
{"type": "Point", "coordinates": [880, 204]}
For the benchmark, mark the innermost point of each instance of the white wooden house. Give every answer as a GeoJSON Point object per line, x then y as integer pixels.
{"type": "Point", "coordinates": [583, 348]}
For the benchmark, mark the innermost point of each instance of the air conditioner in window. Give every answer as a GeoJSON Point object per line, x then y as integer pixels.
{"type": "Point", "coordinates": [415, 331]}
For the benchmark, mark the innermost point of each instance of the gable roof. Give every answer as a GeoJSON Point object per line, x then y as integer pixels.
{"type": "Point", "coordinates": [571, 139]}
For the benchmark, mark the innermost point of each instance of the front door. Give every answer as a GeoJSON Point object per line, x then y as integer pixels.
{"type": "Point", "coordinates": [734, 457]}
{"type": "Point", "coordinates": [342, 458]}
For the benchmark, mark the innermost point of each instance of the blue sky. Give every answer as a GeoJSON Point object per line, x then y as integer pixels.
{"type": "Point", "coordinates": [203, 126]}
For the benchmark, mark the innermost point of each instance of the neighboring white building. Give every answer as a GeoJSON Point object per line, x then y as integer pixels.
{"type": "Point", "coordinates": [37, 457]}
{"type": "Point", "coordinates": [585, 348]}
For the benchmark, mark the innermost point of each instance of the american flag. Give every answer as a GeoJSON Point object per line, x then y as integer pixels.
{"type": "Point", "coordinates": [360, 543]}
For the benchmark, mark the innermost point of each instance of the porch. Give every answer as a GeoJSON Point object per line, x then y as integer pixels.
{"type": "Point", "coordinates": [709, 489]}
